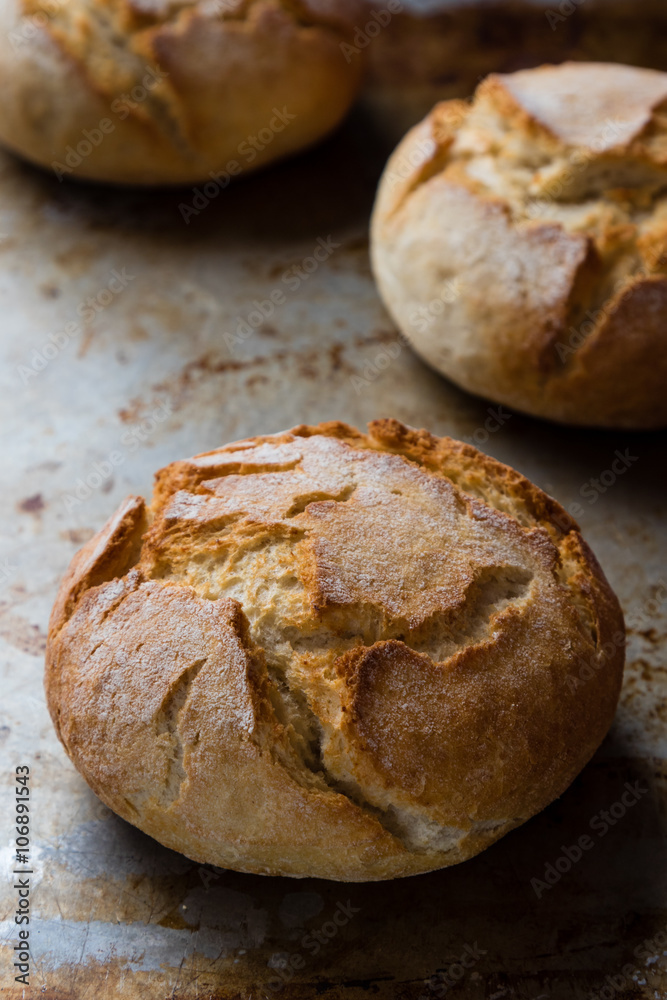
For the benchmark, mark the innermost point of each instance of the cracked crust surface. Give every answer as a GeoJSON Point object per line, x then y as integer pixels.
{"type": "Point", "coordinates": [324, 653]}
{"type": "Point", "coordinates": [185, 86]}
{"type": "Point", "coordinates": [520, 242]}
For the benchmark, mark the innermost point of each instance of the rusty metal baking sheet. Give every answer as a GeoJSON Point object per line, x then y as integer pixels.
{"type": "Point", "coordinates": [130, 339]}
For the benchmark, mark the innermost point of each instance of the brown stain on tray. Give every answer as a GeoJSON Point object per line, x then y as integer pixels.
{"type": "Point", "coordinates": [32, 505]}
{"type": "Point", "coordinates": [21, 634]}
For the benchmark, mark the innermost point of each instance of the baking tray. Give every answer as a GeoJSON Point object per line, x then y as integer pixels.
{"type": "Point", "coordinates": [153, 369]}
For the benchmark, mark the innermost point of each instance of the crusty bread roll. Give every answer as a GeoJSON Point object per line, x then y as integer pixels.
{"type": "Point", "coordinates": [520, 242]}
{"type": "Point", "coordinates": [324, 653]}
{"type": "Point", "coordinates": [162, 92]}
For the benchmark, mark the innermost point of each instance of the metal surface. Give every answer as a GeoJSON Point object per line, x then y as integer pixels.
{"type": "Point", "coordinates": [161, 366]}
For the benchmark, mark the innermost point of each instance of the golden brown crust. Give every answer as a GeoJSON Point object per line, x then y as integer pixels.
{"type": "Point", "coordinates": [520, 242]}
{"type": "Point", "coordinates": [334, 654]}
{"type": "Point", "coordinates": [184, 88]}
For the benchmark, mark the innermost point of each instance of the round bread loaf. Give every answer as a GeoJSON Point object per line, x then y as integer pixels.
{"type": "Point", "coordinates": [171, 91]}
{"type": "Point", "coordinates": [324, 653]}
{"type": "Point", "coordinates": [520, 242]}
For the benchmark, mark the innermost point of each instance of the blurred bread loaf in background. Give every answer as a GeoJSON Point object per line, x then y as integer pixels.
{"type": "Point", "coordinates": [520, 242]}
{"type": "Point", "coordinates": [161, 92]}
